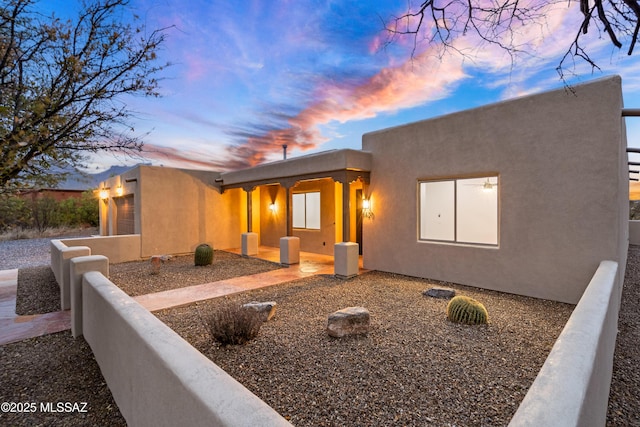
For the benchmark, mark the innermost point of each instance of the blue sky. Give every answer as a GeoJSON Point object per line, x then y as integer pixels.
{"type": "Point", "coordinates": [248, 76]}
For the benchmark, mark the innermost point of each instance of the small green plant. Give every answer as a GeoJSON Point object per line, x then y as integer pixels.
{"type": "Point", "coordinates": [203, 255]}
{"type": "Point", "coordinates": [233, 324]}
{"type": "Point", "coordinates": [466, 310]}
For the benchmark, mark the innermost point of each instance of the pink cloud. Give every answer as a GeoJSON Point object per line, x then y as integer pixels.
{"type": "Point", "coordinates": [422, 79]}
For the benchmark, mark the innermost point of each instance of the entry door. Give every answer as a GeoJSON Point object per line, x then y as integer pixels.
{"type": "Point", "coordinates": [359, 220]}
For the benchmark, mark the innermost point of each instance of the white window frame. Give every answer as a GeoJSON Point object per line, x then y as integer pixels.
{"type": "Point", "coordinates": [448, 221]}
{"type": "Point", "coordinates": [310, 218]}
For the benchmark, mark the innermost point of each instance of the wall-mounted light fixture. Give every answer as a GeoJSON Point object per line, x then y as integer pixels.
{"type": "Point", "coordinates": [119, 190]}
{"type": "Point", "coordinates": [366, 209]}
{"type": "Point", "coordinates": [273, 208]}
{"type": "Point", "coordinates": [104, 194]}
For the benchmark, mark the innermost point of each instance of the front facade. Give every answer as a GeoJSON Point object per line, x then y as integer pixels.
{"type": "Point", "coordinates": [525, 196]}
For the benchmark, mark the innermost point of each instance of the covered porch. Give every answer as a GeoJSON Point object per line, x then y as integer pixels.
{"type": "Point", "coordinates": [311, 204]}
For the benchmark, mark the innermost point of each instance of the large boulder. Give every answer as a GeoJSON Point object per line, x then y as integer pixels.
{"type": "Point", "coordinates": [348, 321]}
{"type": "Point", "coordinates": [266, 309]}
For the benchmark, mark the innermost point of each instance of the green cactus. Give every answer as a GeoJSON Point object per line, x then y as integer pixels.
{"type": "Point", "coordinates": [204, 254]}
{"type": "Point", "coordinates": [466, 310]}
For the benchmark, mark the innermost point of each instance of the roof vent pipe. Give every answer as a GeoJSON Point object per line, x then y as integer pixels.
{"type": "Point", "coordinates": [284, 151]}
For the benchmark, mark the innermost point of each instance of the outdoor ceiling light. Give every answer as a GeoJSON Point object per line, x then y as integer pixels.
{"type": "Point", "coordinates": [488, 186]}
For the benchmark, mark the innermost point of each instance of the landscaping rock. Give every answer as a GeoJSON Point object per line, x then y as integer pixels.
{"type": "Point", "coordinates": [157, 261]}
{"type": "Point", "coordinates": [348, 321]}
{"type": "Point", "coordinates": [444, 293]}
{"type": "Point", "coordinates": [266, 309]}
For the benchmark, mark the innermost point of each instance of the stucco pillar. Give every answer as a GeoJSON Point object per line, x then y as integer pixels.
{"type": "Point", "coordinates": [287, 210]}
{"type": "Point", "coordinates": [249, 211]}
{"type": "Point", "coordinates": [346, 210]}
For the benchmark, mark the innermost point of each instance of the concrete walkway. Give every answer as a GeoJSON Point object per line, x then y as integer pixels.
{"type": "Point", "coordinates": [16, 328]}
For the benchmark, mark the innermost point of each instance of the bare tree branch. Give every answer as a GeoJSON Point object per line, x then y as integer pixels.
{"type": "Point", "coordinates": [498, 22]}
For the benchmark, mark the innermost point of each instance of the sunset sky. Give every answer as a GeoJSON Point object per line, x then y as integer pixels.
{"type": "Point", "coordinates": [248, 76]}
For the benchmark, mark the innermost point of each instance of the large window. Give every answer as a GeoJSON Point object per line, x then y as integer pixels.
{"type": "Point", "coordinates": [306, 210]}
{"type": "Point", "coordinates": [459, 210]}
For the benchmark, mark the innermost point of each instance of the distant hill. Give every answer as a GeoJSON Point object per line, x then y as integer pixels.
{"type": "Point", "coordinates": [78, 181]}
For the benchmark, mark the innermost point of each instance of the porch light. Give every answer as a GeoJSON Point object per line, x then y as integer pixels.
{"type": "Point", "coordinates": [119, 190]}
{"type": "Point", "coordinates": [273, 208]}
{"type": "Point", "coordinates": [366, 209]}
{"type": "Point", "coordinates": [104, 194]}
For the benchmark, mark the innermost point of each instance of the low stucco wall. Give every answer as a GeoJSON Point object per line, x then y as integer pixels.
{"type": "Point", "coordinates": [155, 376]}
{"type": "Point", "coordinates": [116, 248]}
{"type": "Point", "coordinates": [572, 388]}
{"type": "Point", "coordinates": [634, 232]}
{"type": "Point", "coordinates": [61, 254]}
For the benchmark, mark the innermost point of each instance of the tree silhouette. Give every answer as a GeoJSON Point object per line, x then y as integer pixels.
{"type": "Point", "coordinates": [62, 85]}
{"type": "Point", "coordinates": [500, 22]}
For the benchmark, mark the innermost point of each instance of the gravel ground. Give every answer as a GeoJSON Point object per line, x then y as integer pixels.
{"type": "Point", "coordinates": [413, 368]}
{"type": "Point", "coordinates": [55, 368]}
{"type": "Point", "coordinates": [32, 252]}
{"type": "Point", "coordinates": [136, 278]}
{"type": "Point", "coordinates": [424, 372]}
{"type": "Point", "coordinates": [39, 293]}
{"type": "Point", "coordinates": [624, 397]}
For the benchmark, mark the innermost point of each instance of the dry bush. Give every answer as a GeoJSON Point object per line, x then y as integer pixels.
{"type": "Point", "coordinates": [232, 324]}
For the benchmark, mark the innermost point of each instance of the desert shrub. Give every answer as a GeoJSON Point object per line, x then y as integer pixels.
{"type": "Point", "coordinates": [466, 310]}
{"type": "Point", "coordinates": [203, 255]}
{"type": "Point", "coordinates": [80, 211]}
{"type": "Point", "coordinates": [232, 324]}
{"type": "Point", "coordinates": [45, 213]}
{"type": "Point", "coordinates": [14, 213]}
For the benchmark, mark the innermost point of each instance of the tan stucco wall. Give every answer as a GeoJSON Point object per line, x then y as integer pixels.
{"type": "Point", "coordinates": [563, 191]}
{"type": "Point", "coordinates": [156, 377]}
{"type": "Point", "coordinates": [319, 241]}
{"type": "Point", "coordinates": [175, 210]}
{"type": "Point", "coordinates": [116, 248]}
{"type": "Point", "coordinates": [273, 224]}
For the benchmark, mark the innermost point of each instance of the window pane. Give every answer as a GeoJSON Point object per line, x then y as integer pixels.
{"type": "Point", "coordinates": [313, 211]}
{"type": "Point", "coordinates": [477, 219]}
{"type": "Point", "coordinates": [298, 210]}
{"type": "Point", "coordinates": [437, 210]}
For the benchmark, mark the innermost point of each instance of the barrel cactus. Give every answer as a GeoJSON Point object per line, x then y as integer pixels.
{"type": "Point", "coordinates": [204, 254]}
{"type": "Point", "coordinates": [466, 310]}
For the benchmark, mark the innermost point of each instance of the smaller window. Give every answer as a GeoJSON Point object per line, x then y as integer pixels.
{"type": "Point", "coordinates": [306, 210]}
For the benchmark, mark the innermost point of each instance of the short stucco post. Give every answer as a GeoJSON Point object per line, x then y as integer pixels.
{"type": "Point", "coordinates": [289, 250]}
{"type": "Point", "coordinates": [346, 259]}
{"type": "Point", "coordinates": [66, 255]}
{"type": "Point", "coordinates": [249, 244]}
{"type": "Point", "coordinates": [77, 267]}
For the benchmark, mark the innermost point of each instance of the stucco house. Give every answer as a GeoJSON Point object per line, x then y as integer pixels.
{"type": "Point", "coordinates": [525, 196]}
